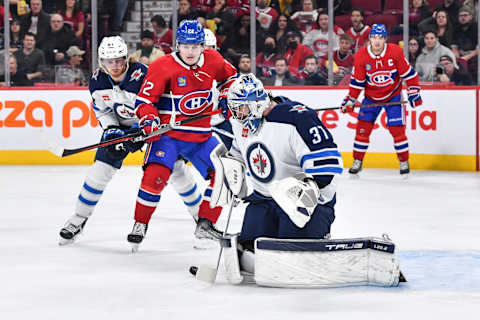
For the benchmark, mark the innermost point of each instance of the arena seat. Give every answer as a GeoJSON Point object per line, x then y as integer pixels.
{"type": "Point", "coordinates": [343, 22]}
{"type": "Point", "coordinates": [389, 20]}
{"type": "Point", "coordinates": [435, 3]}
{"type": "Point", "coordinates": [368, 6]}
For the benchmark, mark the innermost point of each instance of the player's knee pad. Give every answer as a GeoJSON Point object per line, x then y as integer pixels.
{"type": "Point", "coordinates": [398, 133]}
{"type": "Point", "coordinates": [363, 131]}
{"type": "Point", "coordinates": [155, 178]}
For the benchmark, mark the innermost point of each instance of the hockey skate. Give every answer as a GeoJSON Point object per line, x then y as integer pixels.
{"type": "Point", "coordinates": [72, 229]}
{"type": "Point", "coordinates": [206, 230]}
{"type": "Point", "coordinates": [404, 169]}
{"type": "Point", "coordinates": [356, 168]}
{"type": "Point", "coordinates": [136, 236]}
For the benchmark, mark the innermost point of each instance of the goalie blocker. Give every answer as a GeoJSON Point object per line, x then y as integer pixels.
{"type": "Point", "coordinates": [305, 263]}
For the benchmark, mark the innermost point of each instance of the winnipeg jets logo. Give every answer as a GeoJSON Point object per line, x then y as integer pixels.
{"type": "Point", "coordinates": [136, 75]}
{"type": "Point", "coordinates": [298, 108]}
{"type": "Point", "coordinates": [95, 75]}
{"type": "Point", "coordinates": [124, 111]}
{"type": "Point", "coordinates": [260, 162]}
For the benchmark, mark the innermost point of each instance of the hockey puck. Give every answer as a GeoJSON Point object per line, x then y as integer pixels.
{"type": "Point", "coordinates": [193, 270]}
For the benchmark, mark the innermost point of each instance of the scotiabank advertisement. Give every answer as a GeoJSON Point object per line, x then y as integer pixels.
{"type": "Point", "coordinates": [444, 129]}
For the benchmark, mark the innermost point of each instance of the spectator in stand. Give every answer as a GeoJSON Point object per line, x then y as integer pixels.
{"type": "Point", "coordinates": [73, 16]}
{"type": "Point", "coordinates": [202, 6]}
{"type": "Point", "coordinates": [358, 32]}
{"type": "Point", "coordinates": [60, 38]}
{"type": "Point", "coordinates": [440, 22]}
{"type": "Point", "coordinates": [281, 77]}
{"type": "Point", "coordinates": [265, 60]}
{"type": "Point", "coordinates": [430, 56]}
{"type": "Point", "coordinates": [223, 18]}
{"type": "Point", "coordinates": [343, 58]}
{"type": "Point", "coordinates": [70, 71]}
{"type": "Point", "coordinates": [147, 53]}
{"type": "Point", "coordinates": [238, 42]}
{"type": "Point", "coordinates": [419, 11]}
{"type": "Point", "coordinates": [238, 7]}
{"type": "Point", "coordinates": [317, 39]}
{"type": "Point", "coordinates": [452, 7]}
{"type": "Point", "coordinates": [340, 7]}
{"type": "Point", "coordinates": [472, 4]}
{"type": "Point", "coordinates": [306, 18]}
{"type": "Point", "coordinates": [119, 10]}
{"type": "Point", "coordinates": [464, 44]}
{"type": "Point", "coordinates": [2, 16]}
{"type": "Point", "coordinates": [185, 12]}
{"type": "Point", "coordinates": [30, 60]}
{"type": "Point", "coordinates": [244, 65]}
{"type": "Point", "coordinates": [296, 53]}
{"type": "Point", "coordinates": [280, 29]}
{"type": "Point", "coordinates": [310, 74]}
{"type": "Point", "coordinates": [18, 78]}
{"type": "Point", "coordinates": [414, 50]}
{"type": "Point", "coordinates": [447, 72]}
{"type": "Point", "coordinates": [15, 38]}
{"type": "Point", "coordinates": [163, 35]}
{"type": "Point", "coordinates": [265, 14]}
{"type": "Point", "coordinates": [37, 22]}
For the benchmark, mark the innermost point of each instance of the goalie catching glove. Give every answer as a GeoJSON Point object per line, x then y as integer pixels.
{"type": "Point", "coordinates": [299, 196]}
{"type": "Point", "coordinates": [229, 179]}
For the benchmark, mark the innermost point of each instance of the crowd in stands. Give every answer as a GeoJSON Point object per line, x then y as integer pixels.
{"type": "Point", "coordinates": [291, 37]}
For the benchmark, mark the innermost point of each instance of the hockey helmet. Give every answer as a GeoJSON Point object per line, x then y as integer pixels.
{"type": "Point", "coordinates": [248, 91]}
{"type": "Point", "coordinates": [378, 29]}
{"type": "Point", "coordinates": [111, 48]}
{"type": "Point", "coordinates": [190, 32]}
{"type": "Point", "coordinates": [210, 39]}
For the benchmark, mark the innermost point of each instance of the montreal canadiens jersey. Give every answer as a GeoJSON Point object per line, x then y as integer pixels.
{"type": "Point", "coordinates": [291, 140]}
{"type": "Point", "coordinates": [381, 76]}
{"type": "Point", "coordinates": [114, 103]}
{"type": "Point", "coordinates": [181, 91]}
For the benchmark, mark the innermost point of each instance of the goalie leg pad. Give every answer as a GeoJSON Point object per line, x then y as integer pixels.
{"type": "Point", "coordinates": [326, 263]}
{"type": "Point", "coordinates": [231, 261]}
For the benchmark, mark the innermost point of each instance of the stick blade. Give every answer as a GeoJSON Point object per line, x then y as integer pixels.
{"type": "Point", "coordinates": [206, 274]}
{"type": "Point", "coordinates": [51, 146]}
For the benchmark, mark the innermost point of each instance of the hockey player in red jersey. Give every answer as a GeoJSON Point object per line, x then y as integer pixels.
{"type": "Point", "coordinates": [379, 69]}
{"type": "Point", "coordinates": [178, 86]}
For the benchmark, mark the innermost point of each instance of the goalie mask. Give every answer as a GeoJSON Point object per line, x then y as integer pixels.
{"type": "Point", "coordinates": [247, 100]}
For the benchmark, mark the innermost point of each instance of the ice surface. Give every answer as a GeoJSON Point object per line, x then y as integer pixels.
{"type": "Point", "coordinates": [434, 218]}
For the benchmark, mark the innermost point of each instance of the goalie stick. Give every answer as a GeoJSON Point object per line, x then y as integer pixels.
{"type": "Point", "coordinates": [365, 105]}
{"type": "Point", "coordinates": [134, 137]}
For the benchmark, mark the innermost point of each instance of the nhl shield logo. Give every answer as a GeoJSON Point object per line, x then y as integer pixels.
{"type": "Point", "coordinates": [195, 102]}
{"type": "Point", "coordinates": [260, 162]}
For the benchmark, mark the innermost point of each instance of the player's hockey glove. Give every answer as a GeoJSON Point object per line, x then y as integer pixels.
{"type": "Point", "coordinates": [348, 104]}
{"type": "Point", "coordinates": [149, 121]}
{"type": "Point", "coordinates": [414, 97]}
{"type": "Point", "coordinates": [115, 151]}
{"type": "Point", "coordinates": [134, 146]}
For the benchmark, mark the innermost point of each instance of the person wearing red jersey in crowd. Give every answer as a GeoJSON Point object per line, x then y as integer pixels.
{"type": "Point", "coordinates": [343, 58]}
{"type": "Point", "coordinates": [306, 18]}
{"type": "Point", "coordinates": [265, 60]}
{"type": "Point", "coordinates": [163, 34]}
{"type": "Point", "coordinates": [73, 16]}
{"type": "Point", "coordinates": [178, 86]}
{"type": "Point", "coordinates": [202, 6]}
{"type": "Point", "coordinates": [358, 31]}
{"type": "Point", "coordinates": [296, 53]}
{"type": "Point", "coordinates": [379, 69]}
{"type": "Point", "coordinates": [238, 7]}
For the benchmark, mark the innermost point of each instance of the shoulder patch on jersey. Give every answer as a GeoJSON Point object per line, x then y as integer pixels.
{"type": "Point", "coordinates": [95, 74]}
{"type": "Point", "coordinates": [136, 75]}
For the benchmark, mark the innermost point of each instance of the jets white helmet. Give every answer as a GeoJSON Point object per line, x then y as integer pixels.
{"type": "Point", "coordinates": [111, 48]}
{"type": "Point", "coordinates": [210, 39]}
{"type": "Point", "coordinates": [247, 91]}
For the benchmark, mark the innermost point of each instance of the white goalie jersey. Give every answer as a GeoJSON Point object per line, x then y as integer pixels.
{"type": "Point", "coordinates": [292, 141]}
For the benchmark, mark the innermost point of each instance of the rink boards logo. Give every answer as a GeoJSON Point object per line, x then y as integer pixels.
{"type": "Point", "coordinates": [124, 111]}
{"type": "Point", "coordinates": [195, 102]}
{"type": "Point", "coordinates": [381, 78]}
{"type": "Point", "coordinates": [260, 162]}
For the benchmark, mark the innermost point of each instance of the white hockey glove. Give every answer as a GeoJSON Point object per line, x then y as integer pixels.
{"type": "Point", "coordinates": [229, 179]}
{"type": "Point", "coordinates": [298, 198]}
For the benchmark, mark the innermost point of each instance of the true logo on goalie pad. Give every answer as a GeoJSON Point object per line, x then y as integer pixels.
{"type": "Point", "coordinates": [260, 162]}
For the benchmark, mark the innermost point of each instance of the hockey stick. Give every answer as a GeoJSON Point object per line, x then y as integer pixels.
{"type": "Point", "coordinates": [134, 137]}
{"type": "Point", "coordinates": [206, 273]}
{"type": "Point", "coordinates": [366, 105]}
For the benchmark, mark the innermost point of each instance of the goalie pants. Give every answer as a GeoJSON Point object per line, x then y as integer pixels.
{"type": "Point", "coordinates": [265, 218]}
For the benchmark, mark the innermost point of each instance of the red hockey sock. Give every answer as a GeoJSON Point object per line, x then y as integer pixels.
{"type": "Point", "coordinates": [362, 139]}
{"type": "Point", "coordinates": [205, 211]}
{"type": "Point", "coordinates": [154, 179]}
{"type": "Point", "coordinates": [400, 142]}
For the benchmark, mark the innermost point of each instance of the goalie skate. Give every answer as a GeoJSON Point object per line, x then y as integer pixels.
{"type": "Point", "coordinates": [136, 236]}
{"type": "Point", "coordinates": [72, 229]}
{"type": "Point", "coordinates": [206, 230]}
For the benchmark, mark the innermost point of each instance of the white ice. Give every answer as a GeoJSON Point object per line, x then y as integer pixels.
{"type": "Point", "coordinates": [434, 218]}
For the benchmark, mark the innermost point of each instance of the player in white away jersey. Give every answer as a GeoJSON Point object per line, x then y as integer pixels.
{"type": "Point", "coordinates": [114, 88]}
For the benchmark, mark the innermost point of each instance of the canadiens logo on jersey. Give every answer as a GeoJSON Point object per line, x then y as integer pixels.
{"type": "Point", "coordinates": [195, 102]}
{"type": "Point", "coordinates": [381, 78]}
{"type": "Point", "coordinates": [260, 162]}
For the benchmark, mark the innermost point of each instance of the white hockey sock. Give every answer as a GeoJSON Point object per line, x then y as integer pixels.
{"type": "Point", "coordinates": [183, 182]}
{"type": "Point", "coordinates": [98, 176]}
